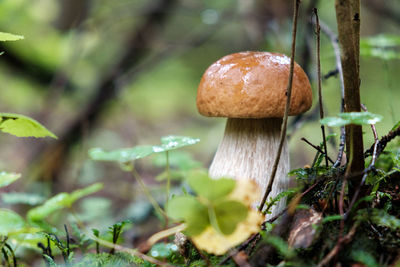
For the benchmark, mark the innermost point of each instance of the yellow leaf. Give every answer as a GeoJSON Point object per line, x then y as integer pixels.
{"type": "Point", "coordinates": [247, 193]}
{"type": "Point", "coordinates": [213, 242]}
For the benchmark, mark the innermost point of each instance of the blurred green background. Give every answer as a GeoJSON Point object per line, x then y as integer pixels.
{"type": "Point", "coordinates": [135, 65]}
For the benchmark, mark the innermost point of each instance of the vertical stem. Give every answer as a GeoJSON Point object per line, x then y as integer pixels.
{"type": "Point", "coordinates": [348, 29]}
{"type": "Point", "coordinates": [168, 175]}
{"type": "Point", "coordinates": [355, 16]}
{"type": "Point", "coordinates": [285, 117]}
{"type": "Point", "coordinates": [153, 202]}
{"type": "Point", "coordinates": [321, 108]}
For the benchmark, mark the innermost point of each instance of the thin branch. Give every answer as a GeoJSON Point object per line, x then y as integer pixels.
{"type": "Point", "coordinates": [370, 167]}
{"type": "Point", "coordinates": [285, 117]}
{"type": "Point", "coordinates": [335, 45]}
{"type": "Point", "coordinates": [335, 250]}
{"type": "Point", "coordinates": [383, 142]}
{"type": "Point", "coordinates": [321, 109]}
{"type": "Point", "coordinates": [332, 73]}
{"type": "Point", "coordinates": [317, 148]}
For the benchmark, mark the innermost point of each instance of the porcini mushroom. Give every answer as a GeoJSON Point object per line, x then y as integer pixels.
{"type": "Point", "coordinates": [249, 88]}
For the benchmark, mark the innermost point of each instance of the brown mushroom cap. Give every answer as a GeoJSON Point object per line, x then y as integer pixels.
{"type": "Point", "coordinates": [252, 85]}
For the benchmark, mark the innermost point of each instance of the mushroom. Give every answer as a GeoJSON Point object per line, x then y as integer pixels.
{"type": "Point", "coordinates": [249, 88]}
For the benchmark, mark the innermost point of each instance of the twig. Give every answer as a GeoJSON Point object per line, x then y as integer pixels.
{"type": "Point", "coordinates": [336, 249]}
{"type": "Point", "coordinates": [370, 167]}
{"type": "Point", "coordinates": [383, 142]}
{"type": "Point", "coordinates": [321, 109]}
{"type": "Point", "coordinates": [332, 73]}
{"type": "Point", "coordinates": [285, 117]}
{"type": "Point", "coordinates": [317, 148]}
{"type": "Point", "coordinates": [165, 233]}
{"type": "Point", "coordinates": [335, 45]}
{"type": "Point", "coordinates": [298, 121]}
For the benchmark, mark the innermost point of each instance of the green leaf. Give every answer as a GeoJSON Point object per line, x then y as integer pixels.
{"type": "Point", "coordinates": [22, 198]}
{"type": "Point", "coordinates": [190, 210]}
{"type": "Point", "coordinates": [130, 154]}
{"type": "Point", "coordinates": [364, 257]}
{"type": "Point", "coordinates": [281, 246]}
{"type": "Point", "coordinates": [163, 251]}
{"type": "Point", "coordinates": [4, 36]}
{"type": "Point", "coordinates": [50, 261]}
{"type": "Point", "coordinates": [382, 218]}
{"type": "Point", "coordinates": [359, 118]}
{"type": "Point", "coordinates": [7, 178]}
{"type": "Point", "coordinates": [10, 222]}
{"type": "Point", "coordinates": [172, 142]}
{"type": "Point", "coordinates": [383, 46]}
{"type": "Point", "coordinates": [179, 159]}
{"type": "Point", "coordinates": [22, 126]}
{"type": "Point", "coordinates": [211, 189]}
{"type": "Point", "coordinates": [80, 193]}
{"type": "Point", "coordinates": [331, 218]}
{"type": "Point", "coordinates": [227, 215]}
{"type": "Point", "coordinates": [396, 126]}
{"type": "Point", "coordinates": [121, 155]}
{"type": "Point", "coordinates": [60, 201]}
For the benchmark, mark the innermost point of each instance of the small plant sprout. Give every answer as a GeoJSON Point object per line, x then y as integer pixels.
{"type": "Point", "coordinates": [249, 88]}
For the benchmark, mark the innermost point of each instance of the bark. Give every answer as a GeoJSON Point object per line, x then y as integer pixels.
{"type": "Point", "coordinates": [347, 15]}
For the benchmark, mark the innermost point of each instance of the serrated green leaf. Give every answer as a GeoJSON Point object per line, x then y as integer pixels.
{"type": "Point", "coordinates": [4, 36]}
{"type": "Point", "coordinates": [7, 178]}
{"type": "Point", "coordinates": [60, 201]}
{"type": "Point", "coordinates": [121, 155]}
{"type": "Point", "coordinates": [22, 198]}
{"type": "Point", "coordinates": [189, 209]}
{"type": "Point", "coordinates": [22, 126]}
{"type": "Point", "coordinates": [10, 222]}
{"type": "Point", "coordinates": [211, 189]}
{"type": "Point", "coordinates": [359, 118]}
{"type": "Point", "coordinates": [227, 216]}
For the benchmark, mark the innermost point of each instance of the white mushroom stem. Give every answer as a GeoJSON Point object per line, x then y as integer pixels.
{"type": "Point", "coordinates": [248, 150]}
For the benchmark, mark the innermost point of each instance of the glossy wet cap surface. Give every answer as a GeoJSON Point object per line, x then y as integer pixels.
{"type": "Point", "coordinates": [252, 85]}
